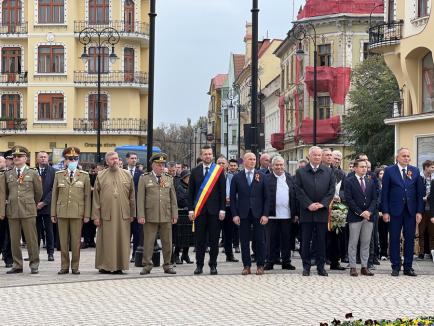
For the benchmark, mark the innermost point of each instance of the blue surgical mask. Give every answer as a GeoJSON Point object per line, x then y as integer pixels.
{"type": "Point", "coordinates": [72, 165]}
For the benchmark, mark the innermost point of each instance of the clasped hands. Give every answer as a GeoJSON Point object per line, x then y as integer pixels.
{"type": "Point", "coordinates": [315, 206]}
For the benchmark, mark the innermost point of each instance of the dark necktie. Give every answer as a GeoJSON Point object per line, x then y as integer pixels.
{"type": "Point", "coordinates": [159, 179]}
{"type": "Point", "coordinates": [132, 172]}
{"type": "Point", "coordinates": [362, 185]}
{"type": "Point", "coordinates": [206, 171]}
{"type": "Point", "coordinates": [18, 173]}
{"type": "Point", "coordinates": [71, 176]}
{"type": "Point", "coordinates": [41, 171]}
{"type": "Point", "coordinates": [404, 175]}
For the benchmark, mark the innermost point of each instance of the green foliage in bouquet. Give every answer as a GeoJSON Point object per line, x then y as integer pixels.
{"type": "Point", "coordinates": [420, 321]}
{"type": "Point", "coordinates": [338, 217]}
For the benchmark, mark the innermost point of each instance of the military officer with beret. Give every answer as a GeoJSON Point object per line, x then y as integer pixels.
{"type": "Point", "coordinates": [157, 210]}
{"type": "Point", "coordinates": [70, 206]}
{"type": "Point", "coordinates": [23, 188]}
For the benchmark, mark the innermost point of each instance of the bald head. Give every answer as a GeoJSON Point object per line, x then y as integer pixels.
{"type": "Point", "coordinates": [264, 160]}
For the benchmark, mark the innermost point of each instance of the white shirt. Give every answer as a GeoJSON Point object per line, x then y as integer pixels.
{"type": "Point", "coordinates": [73, 173]}
{"type": "Point", "coordinates": [400, 169]}
{"type": "Point", "coordinates": [360, 181]}
{"type": "Point", "coordinates": [283, 211]}
{"type": "Point", "coordinates": [133, 169]}
{"type": "Point", "coordinates": [206, 166]}
{"type": "Point", "coordinates": [313, 167]}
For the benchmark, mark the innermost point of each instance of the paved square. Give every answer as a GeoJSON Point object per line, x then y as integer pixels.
{"type": "Point", "coordinates": [277, 298]}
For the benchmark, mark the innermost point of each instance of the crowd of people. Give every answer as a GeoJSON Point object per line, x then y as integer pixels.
{"type": "Point", "coordinates": [260, 210]}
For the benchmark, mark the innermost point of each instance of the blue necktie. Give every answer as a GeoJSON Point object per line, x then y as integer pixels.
{"type": "Point", "coordinates": [249, 178]}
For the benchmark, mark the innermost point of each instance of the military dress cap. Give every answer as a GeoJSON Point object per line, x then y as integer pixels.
{"type": "Point", "coordinates": [71, 151]}
{"type": "Point", "coordinates": [19, 150]}
{"type": "Point", "coordinates": [8, 154]}
{"type": "Point", "coordinates": [158, 158]}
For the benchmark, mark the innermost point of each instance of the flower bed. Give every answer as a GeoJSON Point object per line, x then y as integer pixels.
{"type": "Point", "coordinates": [420, 321]}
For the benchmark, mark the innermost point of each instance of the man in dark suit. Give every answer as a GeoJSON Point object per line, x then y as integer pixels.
{"type": "Point", "coordinates": [282, 214]}
{"type": "Point", "coordinates": [207, 223]}
{"type": "Point", "coordinates": [361, 198]}
{"type": "Point", "coordinates": [402, 204]}
{"type": "Point", "coordinates": [250, 207]}
{"type": "Point", "coordinates": [43, 220]}
{"type": "Point", "coordinates": [132, 160]}
{"type": "Point", "coordinates": [315, 189]}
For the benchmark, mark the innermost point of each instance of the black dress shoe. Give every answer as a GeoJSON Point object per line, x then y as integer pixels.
{"type": "Point", "coordinates": [34, 271]}
{"type": "Point", "coordinates": [306, 272]}
{"type": "Point", "coordinates": [14, 271]}
{"type": "Point", "coordinates": [395, 272]}
{"type": "Point", "coordinates": [186, 259]}
{"type": "Point", "coordinates": [132, 260]}
{"type": "Point", "coordinates": [337, 267]}
{"type": "Point", "coordinates": [198, 270]}
{"type": "Point", "coordinates": [170, 271]}
{"type": "Point", "coordinates": [213, 270]}
{"type": "Point", "coordinates": [237, 250]}
{"type": "Point", "coordinates": [8, 265]}
{"type": "Point", "coordinates": [63, 271]}
{"type": "Point", "coordinates": [75, 272]}
{"type": "Point", "coordinates": [345, 260]}
{"type": "Point", "coordinates": [118, 272]}
{"type": "Point", "coordinates": [268, 267]}
{"type": "Point", "coordinates": [178, 261]}
{"type": "Point", "coordinates": [50, 257]}
{"type": "Point", "coordinates": [231, 259]}
{"type": "Point", "coordinates": [103, 271]}
{"type": "Point", "coordinates": [278, 261]}
{"type": "Point", "coordinates": [376, 261]}
{"type": "Point", "coordinates": [26, 259]}
{"type": "Point", "coordinates": [409, 272]}
{"type": "Point", "coordinates": [288, 266]}
{"type": "Point", "coordinates": [322, 272]}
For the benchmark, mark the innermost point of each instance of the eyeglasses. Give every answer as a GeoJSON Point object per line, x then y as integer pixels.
{"type": "Point", "coordinates": [72, 158]}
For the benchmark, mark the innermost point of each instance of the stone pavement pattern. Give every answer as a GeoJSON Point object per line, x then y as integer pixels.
{"type": "Point", "coordinates": [277, 298]}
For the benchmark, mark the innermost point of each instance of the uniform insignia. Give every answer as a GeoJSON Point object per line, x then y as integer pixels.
{"type": "Point", "coordinates": [79, 183]}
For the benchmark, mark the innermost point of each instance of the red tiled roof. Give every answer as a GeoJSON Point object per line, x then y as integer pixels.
{"type": "Point", "coordinates": [219, 80]}
{"type": "Point", "coordinates": [238, 64]}
{"type": "Point", "coordinates": [263, 46]}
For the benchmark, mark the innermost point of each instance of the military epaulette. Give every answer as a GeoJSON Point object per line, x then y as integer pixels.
{"type": "Point", "coordinates": [168, 175]}
{"type": "Point", "coordinates": [146, 173]}
{"type": "Point", "coordinates": [84, 172]}
{"type": "Point", "coordinates": [60, 171]}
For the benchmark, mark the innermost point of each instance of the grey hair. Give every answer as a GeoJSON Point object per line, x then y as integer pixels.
{"type": "Point", "coordinates": [337, 153]}
{"type": "Point", "coordinates": [171, 164]}
{"type": "Point", "coordinates": [401, 149]}
{"type": "Point", "coordinates": [110, 154]}
{"type": "Point", "coordinates": [277, 158]}
{"type": "Point", "coordinates": [314, 148]}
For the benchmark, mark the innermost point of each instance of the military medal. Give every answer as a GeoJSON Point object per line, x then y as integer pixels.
{"type": "Point", "coordinates": [257, 177]}
{"type": "Point", "coordinates": [162, 183]}
{"type": "Point", "coordinates": [409, 174]}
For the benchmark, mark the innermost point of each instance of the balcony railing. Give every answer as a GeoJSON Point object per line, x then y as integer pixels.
{"type": "Point", "coordinates": [13, 78]}
{"type": "Point", "coordinates": [139, 28]}
{"type": "Point", "coordinates": [13, 28]}
{"type": "Point", "coordinates": [13, 125]}
{"type": "Point", "coordinates": [385, 34]}
{"type": "Point", "coordinates": [112, 126]}
{"type": "Point", "coordinates": [113, 78]}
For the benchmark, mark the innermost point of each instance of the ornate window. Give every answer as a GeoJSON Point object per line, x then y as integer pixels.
{"type": "Point", "coordinates": [324, 107]}
{"type": "Point", "coordinates": [93, 107]}
{"type": "Point", "coordinates": [51, 59]}
{"type": "Point", "coordinates": [427, 83]}
{"type": "Point", "coordinates": [51, 11]}
{"type": "Point", "coordinates": [324, 55]}
{"type": "Point", "coordinates": [99, 12]}
{"type": "Point", "coordinates": [50, 106]}
{"type": "Point", "coordinates": [10, 106]}
{"type": "Point", "coordinates": [93, 60]}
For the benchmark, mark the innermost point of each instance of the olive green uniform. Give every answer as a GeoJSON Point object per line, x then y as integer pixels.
{"type": "Point", "coordinates": [70, 204]}
{"type": "Point", "coordinates": [22, 196]}
{"type": "Point", "coordinates": [157, 204]}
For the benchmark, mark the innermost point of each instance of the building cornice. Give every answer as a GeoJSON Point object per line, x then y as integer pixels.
{"type": "Point", "coordinates": [410, 118]}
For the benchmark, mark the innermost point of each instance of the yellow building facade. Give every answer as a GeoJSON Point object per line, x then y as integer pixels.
{"type": "Point", "coordinates": [49, 96]}
{"type": "Point", "coordinates": [405, 40]}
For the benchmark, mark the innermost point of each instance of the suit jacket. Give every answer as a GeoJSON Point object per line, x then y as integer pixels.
{"type": "Point", "coordinates": [431, 199]}
{"type": "Point", "coordinates": [359, 201]}
{"type": "Point", "coordinates": [397, 193]}
{"type": "Point", "coordinates": [216, 200]}
{"type": "Point", "coordinates": [71, 199]}
{"type": "Point", "coordinates": [254, 197]}
{"type": "Point", "coordinates": [47, 178]}
{"type": "Point", "coordinates": [22, 194]}
{"type": "Point", "coordinates": [2, 195]}
{"type": "Point", "coordinates": [312, 187]}
{"type": "Point", "coordinates": [272, 188]}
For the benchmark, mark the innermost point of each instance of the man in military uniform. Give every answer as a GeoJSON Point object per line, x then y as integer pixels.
{"type": "Point", "coordinates": [70, 206]}
{"type": "Point", "coordinates": [157, 210]}
{"type": "Point", "coordinates": [23, 191]}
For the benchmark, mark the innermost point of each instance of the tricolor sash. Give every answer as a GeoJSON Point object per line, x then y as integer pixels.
{"type": "Point", "coordinates": [206, 187]}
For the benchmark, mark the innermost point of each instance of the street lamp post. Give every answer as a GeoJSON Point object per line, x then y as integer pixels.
{"type": "Point", "coordinates": [254, 79]}
{"type": "Point", "coordinates": [105, 37]}
{"type": "Point", "coordinates": [302, 32]}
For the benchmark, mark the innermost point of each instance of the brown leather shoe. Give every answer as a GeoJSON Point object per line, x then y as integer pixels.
{"type": "Point", "coordinates": [246, 271]}
{"type": "Point", "coordinates": [353, 272]}
{"type": "Point", "coordinates": [260, 270]}
{"type": "Point", "coordinates": [366, 272]}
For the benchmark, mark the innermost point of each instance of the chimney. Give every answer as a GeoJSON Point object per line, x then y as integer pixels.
{"type": "Point", "coordinates": [248, 42]}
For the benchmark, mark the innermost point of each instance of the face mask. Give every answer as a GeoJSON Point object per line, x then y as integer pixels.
{"type": "Point", "coordinates": [72, 165]}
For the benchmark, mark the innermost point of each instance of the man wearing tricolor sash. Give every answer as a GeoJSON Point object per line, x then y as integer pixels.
{"type": "Point", "coordinates": [206, 198]}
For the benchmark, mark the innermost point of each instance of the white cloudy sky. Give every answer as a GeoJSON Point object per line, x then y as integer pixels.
{"type": "Point", "coordinates": [193, 41]}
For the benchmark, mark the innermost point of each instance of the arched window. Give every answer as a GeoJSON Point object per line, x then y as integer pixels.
{"type": "Point", "coordinates": [427, 83]}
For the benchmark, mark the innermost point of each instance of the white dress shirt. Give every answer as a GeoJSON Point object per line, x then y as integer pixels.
{"type": "Point", "coordinates": [283, 211]}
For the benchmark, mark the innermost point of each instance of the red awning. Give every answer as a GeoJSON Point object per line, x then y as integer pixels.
{"type": "Point", "coordinates": [326, 130]}
{"type": "Point", "coordinates": [334, 80]}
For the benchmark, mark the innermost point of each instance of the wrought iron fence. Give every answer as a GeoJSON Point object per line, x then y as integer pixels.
{"type": "Point", "coordinates": [13, 77]}
{"type": "Point", "coordinates": [13, 125]}
{"type": "Point", "coordinates": [385, 34]}
{"type": "Point", "coordinates": [112, 77]}
{"type": "Point", "coordinates": [116, 125]}
{"type": "Point", "coordinates": [121, 26]}
{"type": "Point", "coordinates": [13, 28]}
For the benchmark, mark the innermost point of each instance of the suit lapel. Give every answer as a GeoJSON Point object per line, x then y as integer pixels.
{"type": "Point", "coordinates": [399, 175]}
